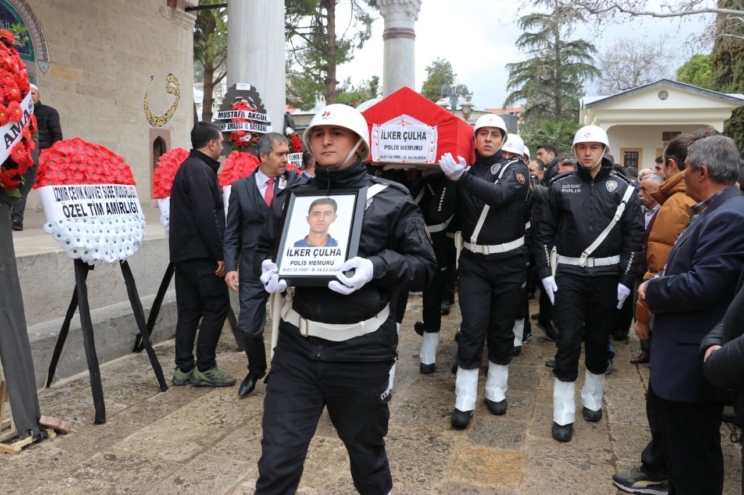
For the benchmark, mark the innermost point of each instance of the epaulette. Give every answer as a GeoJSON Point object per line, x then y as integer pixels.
{"type": "Point", "coordinates": [561, 177]}
{"type": "Point", "coordinates": [391, 183]}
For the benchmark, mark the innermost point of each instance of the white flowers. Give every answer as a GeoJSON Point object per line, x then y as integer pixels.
{"type": "Point", "coordinates": [289, 131]}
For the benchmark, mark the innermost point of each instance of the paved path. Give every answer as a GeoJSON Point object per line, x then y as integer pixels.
{"type": "Point", "coordinates": [202, 441]}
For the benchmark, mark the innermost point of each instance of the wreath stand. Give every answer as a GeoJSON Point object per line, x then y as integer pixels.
{"type": "Point", "coordinates": [8, 429]}
{"type": "Point", "coordinates": [80, 298]}
{"type": "Point", "coordinates": [158, 302]}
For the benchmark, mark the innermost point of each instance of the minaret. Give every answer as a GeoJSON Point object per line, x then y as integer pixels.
{"type": "Point", "coordinates": [400, 44]}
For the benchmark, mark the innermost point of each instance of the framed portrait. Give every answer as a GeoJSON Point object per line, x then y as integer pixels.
{"type": "Point", "coordinates": [320, 232]}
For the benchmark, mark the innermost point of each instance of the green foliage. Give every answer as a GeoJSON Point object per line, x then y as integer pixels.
{"type": "Point", "coordinates": [210, 51]}
{"type": "Point", "coordinates": [728, 68]}
{"type": "Point", "coordinates": [551, 82]}
{"type": "Point", "coordinates": [315, 49]}
{"type": "Point", "coordinates": [355, 95]}
{"type": "Point", "coordinates": [698, 71]}
{"type": "Point", "coordinates": [438, 74]}
{"type": "Point", "coordinates": [560, 133]}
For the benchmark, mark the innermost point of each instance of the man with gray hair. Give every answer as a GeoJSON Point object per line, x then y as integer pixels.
{"type": "Point", "coordinates": [250, 200]}
{"type": "Point", "coordinates": [689, 298]}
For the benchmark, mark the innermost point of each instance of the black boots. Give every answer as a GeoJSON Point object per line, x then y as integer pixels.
{"type": "Point", "coordinates": [592, 416]}
{"type": "Point", "coordinates": [562, 433]}
{"type": "Point", "coordinates": [461, 419]}
{"type": "Point", "coordinates": [496, 408]}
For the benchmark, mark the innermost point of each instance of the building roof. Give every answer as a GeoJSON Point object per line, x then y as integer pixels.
{"type": "Point", "coordinates": [505, 111]}
{"type": "Point", "coordinates": [592, 101]}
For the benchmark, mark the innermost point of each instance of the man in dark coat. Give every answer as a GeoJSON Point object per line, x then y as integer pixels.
{"type": "Point", "coordinates": [197, 229]}
{"type": "Point", "coordinates": [689, 299]}
{"type": "Point", "coordinates": [250, 200]}
{"type": "Point", "coordinates": [50, 131]}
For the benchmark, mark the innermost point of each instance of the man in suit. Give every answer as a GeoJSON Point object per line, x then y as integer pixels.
{"type": "Point", "coordinates": [246, 215]}
{"type": "Point", "coordinates": [689, 299]}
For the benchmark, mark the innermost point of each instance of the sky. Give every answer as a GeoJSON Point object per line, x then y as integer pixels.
{"type": "Point", "coordinates": [478, 36]}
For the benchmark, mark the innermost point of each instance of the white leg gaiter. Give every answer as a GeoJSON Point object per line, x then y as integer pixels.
{"type": "Point", "coordinates": [591, 394]}
{"type": "Point", "coordinates": [429, 348]}
{"type": "Point", "coordinates": [496, 383]}
{"type": "Point", "coordinates": [564, 408]}
{"type": "Point", "coordinates": [466, 389]}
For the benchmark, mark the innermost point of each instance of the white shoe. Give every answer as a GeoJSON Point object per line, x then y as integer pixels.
{"type": "Point", "coordinates": [466, 389]}
{"type": "Point", "coordinates": [564, 407]}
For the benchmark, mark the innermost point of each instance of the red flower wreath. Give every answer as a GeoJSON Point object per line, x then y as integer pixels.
{"type": "Point", "coordinates": [295, 144]}
{"type": "Point", "coordinates": [74, 161]}
{"type": "Point", "coordinates": [241, 164]}
{"type": "Point", "coordinates": [165, 172]}
{"type": "Point", "coordinates": [14, 87]}
{"type": "Point", "coordinates": [243, 139]}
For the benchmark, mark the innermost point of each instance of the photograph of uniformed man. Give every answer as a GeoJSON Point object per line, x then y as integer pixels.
{"type": "Point", "coordinates": [321, 215]}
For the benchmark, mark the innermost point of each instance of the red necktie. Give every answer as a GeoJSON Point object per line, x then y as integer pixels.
{"type": "Point", "coordinates": [269, 196]}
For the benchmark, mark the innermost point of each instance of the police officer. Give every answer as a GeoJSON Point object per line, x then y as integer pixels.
{"type": "Point", "coordinates": [342, 357]}
{"type": "Point", "coordinates": [436, 196]}
{"type": "Point", "coordinates": [491, 205]}
{"type": "Point", "coordinates": [598, 245]}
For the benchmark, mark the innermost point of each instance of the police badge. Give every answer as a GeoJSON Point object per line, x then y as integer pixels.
{"type": "Point", "coordinates": [495, 168]}
{"type": "Point", "coordinates": [282, 183]}
{"type": "Point", "coordinates": [611, 185]}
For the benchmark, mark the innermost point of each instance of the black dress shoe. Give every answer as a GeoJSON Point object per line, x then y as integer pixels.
{"type": "Point", "coordinates": [445, 307]}
{"type": "Point", "coordinates": [517, 350]}
{"type": "Point", "coordinates": [427, 369]}
{"type": "Point", "coordinates": [535, 316]}
{"type": "Point", "coordinates": [592, 416]}
{"type": "Point", "coordinates": [496, 408]}
{"type": "Point", "coordinates": [527, 336]}
{"type": "Point", "coordinates": [562, 433]}
{"type": "Point", "coordinates": [457, 336]}
{"type": "Point", "coordinates": [419, 327]}
{"type": "Point", "coordinates": [454, 369]}
{"type": "Point", "coordinates": [547, 327]}
{"type": "Point", "coordinates": [250, 383]}
{"type": "Point", "coordinates": [17, 226]}
{"type": "Point", "coordinates": [461, 419]}
{"type": "Point", "coordinates": [642, 358]}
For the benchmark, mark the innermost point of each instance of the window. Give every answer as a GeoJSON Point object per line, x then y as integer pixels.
{"type": "Point", "coordinates": [632, 157]}
{"type": "Point", "coordinates": [667, 136]}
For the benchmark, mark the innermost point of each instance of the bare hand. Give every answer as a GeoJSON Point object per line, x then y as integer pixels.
{"type": "Point", "coordinates": [710, 351]}
{"type": "Point", "coordinates": [642, 331]}
{"type": "Point", "coordinates": [232, 281]}
{"type": "Point", "coordinates": [220, 269]}
{"type": "Point", "coordinates": [642, 291]}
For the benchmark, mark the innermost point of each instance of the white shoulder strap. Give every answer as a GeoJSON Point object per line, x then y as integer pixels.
{"type": "Point", "coordinates": [618, 214]}
{"type": "Point", "coordinates": [419, 196]}
{"type": "Point", "coordinates": [486, 208]}
{"type": "Point", "coordinates": [374, 189]}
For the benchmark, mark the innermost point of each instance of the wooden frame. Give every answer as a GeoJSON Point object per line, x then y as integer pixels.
{"type": "Point", "coordinates": [309, 265]}
{"type": "Point", "coordinates": [632, 150]}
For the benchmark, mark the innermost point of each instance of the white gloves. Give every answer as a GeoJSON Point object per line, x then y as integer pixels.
{"type": "Point", "coordinates": [270, 277]}
{"type": "Point", "coordinates": [452, 169]}
{"type": "Point", "coordinates": [363, 271]}
{"type": "Point", "coordinates": [622, 294]}
{"type": "Point", "coordinates": [550, 288]}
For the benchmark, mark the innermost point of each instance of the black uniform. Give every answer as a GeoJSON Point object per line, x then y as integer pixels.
{"type": "Point", "coordinates": [437, 202]}
{"type": "Point", "coordinates": [491, 284]}
{"type": "Point", "coordinates": [197, 230]}
{"type": "Point", "coordinates": [350, 378]}
{"type": "Point", "coordinates": [586, 300]}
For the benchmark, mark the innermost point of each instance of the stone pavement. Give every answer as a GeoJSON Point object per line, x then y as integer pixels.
{"type": "Point", "coordinates": [205, 441]}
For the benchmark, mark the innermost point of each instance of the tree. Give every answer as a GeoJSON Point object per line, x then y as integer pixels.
{"type": "Point", "coordinates": [550, 82]}
{"type": "Point", "coordinates": [560, 133]}
{"type": "Point", "coordinates": [630, 63]}
{"type": "Point", "coordinates": [356, 95]}
{"type": "Point", "coordinates": [439, 74]}
{"type": "Point", "coordinates": [316, 49]}
{"type": "Point", "coordinates": [727, 58]}
{"type": "Point", "coordinates": [697, 71]}
{"type": "Point", "coordinates": [210, 51]}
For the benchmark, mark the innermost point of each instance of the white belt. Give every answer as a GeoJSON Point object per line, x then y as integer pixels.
{"type": "Point", "coordinates": [436, 228]}
{"type": "Point", "coordinates": [590, 262]}
{"type": "Point", "coordinates": [332, 332]}
{"type": "Point", "coordinates": [451, 235]}
{"type": "Point", "coordinates": [495, 248]}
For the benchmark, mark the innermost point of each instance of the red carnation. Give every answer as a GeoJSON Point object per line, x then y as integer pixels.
{"type": "Point", "coordinates": [15, 113]}
{"type": "Point", "coordinates": [237, 165]}
{"type": "Point", "coordinates": [165, 172]}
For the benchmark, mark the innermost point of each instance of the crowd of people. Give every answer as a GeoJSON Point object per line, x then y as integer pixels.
{"type": "Point", "coordinates": [602, 244]}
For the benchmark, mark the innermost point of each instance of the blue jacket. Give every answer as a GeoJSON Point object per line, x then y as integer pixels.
{"type": "Point", "coordinates": [698, 284]}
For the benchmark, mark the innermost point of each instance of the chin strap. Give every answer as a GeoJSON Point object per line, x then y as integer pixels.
{"type": "Point", "coordinates": [351, 154]}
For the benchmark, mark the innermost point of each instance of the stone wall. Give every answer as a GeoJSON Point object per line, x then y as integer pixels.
{"type": "Point", "coordinates": [102, 55]}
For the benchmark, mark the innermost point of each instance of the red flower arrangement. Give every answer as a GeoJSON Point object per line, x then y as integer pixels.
{"type": "Point", "coordinates": [165, 172]}
{"type": "Point", "coordinates": [74, 161]}
{"type": "Point", "coordinates": [243, 139]}
{"type": "Point", "coordinates": [14, 87]}
{"type": "Point", "coordinates": [240, 164]}
{"type": "Point", "coordinates": [295, 144]}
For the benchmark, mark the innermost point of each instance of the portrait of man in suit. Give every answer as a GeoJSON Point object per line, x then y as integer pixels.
{"type": "Point", "coordinates": [321, 215]}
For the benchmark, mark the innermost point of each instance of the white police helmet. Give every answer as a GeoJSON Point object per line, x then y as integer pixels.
{"type": "Point", "coordinates": [514, 144]}
{"type": "Point", "coordinates": [591, 134]}
{"type": "Point", "coordinates": [490, 120]}
{"type": "Point", "coordinates": [339, 115]}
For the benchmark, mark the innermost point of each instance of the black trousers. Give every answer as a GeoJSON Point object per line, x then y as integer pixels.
{"type": "Point", "coordinates": [297, 391]}
{"type": "Point", "coordinates": [19, 208]}
{"type": "Point", "coordinates": [490, 298]}
{"type": "Point", "coordinates": [200, 294]}
{"type": "Point", "coordinates": [585, 309]}
{"type": "Point", "coordinates": [253, 297]}
{"type": "Point", "coordinates": [693, 436]}
{"type": "Point", "coordinates": [546, 308]}
{"type": "Point", "coordinates": [435, 293]}
{"type": "Point", "coordinates": [450, 277]}
{"type": "Point", "coordinates": [655, 457]}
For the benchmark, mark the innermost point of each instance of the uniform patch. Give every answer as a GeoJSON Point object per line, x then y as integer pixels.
{"type": "Point", "coordinates": [611, 185]}
{"type": "Point", "coordinates": [520, 178]}
{"type": "Point", "coordinates": [495, 168]}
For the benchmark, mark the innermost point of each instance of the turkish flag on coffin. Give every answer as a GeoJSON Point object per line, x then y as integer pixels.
{"type": "Point", "coordinates": [452, 134]}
